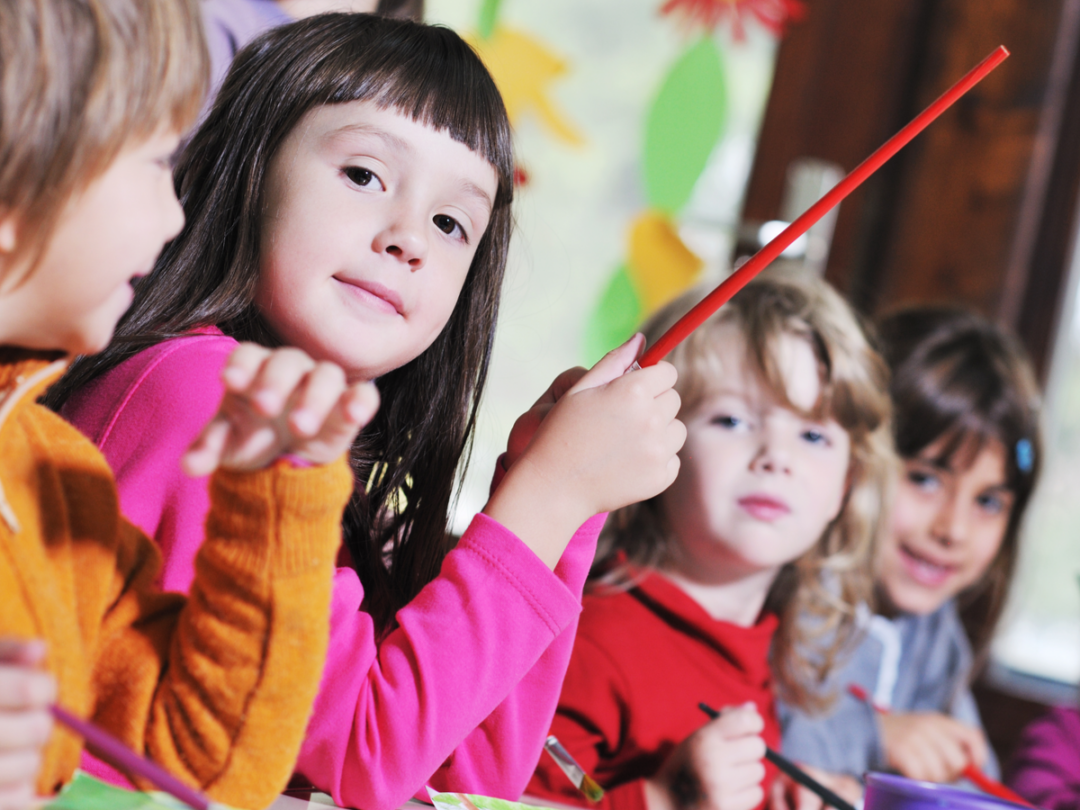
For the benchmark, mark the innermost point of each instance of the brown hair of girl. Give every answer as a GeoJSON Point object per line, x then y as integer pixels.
{"type": "Point", "coordinates": [80, 80]}
{"type": "Point", "coordinates": [405, 461]}
{"type": "Point", "coordinates": [957, 377]}
{"type": "Point", "coordinates": [816, 595]}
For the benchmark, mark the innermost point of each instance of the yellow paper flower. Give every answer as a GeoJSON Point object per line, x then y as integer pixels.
{"type": "Point", "coordinates": [523, 69]}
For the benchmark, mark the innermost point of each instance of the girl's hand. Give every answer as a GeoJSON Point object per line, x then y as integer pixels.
{"type": "Point", "coordinates": [280, 402]}
{"type": "Point", "coordinates": [26, 692]}
{"type": "Point", "coordinates": [930, 746]}
{"type": "Point", "coordinates": [718, 767]}
{"type": "Point", "coordinates": [610, 440]}
{"type": "Point", "coordinates": [787, 794]}
{"type": "Point", "coordinates": [528, 423]}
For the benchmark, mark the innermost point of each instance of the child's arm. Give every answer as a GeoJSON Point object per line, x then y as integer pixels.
{"type": "Point", "coordinates": [611, 440]}
{"type": "Point", "coordinates": [219, 692]}
{"type": "Point", "coordinates": [26, 692]}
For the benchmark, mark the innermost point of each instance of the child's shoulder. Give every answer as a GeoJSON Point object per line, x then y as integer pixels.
{"type": "Point", "coordinates": [177, 380]}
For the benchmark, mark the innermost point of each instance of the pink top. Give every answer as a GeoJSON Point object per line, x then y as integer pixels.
{"type": "Point", "coordinates": [459, 696]}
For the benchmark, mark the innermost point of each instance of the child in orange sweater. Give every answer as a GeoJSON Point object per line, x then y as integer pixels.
{"type": "Point", "coordinates": [93, 96]}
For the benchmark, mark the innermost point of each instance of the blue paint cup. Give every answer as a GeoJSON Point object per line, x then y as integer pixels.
{"type": "Point", "coordinates": [889, 792]}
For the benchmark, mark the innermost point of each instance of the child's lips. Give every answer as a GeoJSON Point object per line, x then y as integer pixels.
{"type": "Point", "coordinates": [375, 295]}
{"type": "Point", "coordinates": [924, 571]}
{"type": "Point", "coordinates": [764, 507]}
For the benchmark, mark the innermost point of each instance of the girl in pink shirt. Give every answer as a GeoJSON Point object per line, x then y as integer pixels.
{"type": "Point", "coordinates": [349, 193]}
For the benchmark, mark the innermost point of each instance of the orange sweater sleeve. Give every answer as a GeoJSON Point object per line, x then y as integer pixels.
{"type": "Point", "coordinates": [218, 688]}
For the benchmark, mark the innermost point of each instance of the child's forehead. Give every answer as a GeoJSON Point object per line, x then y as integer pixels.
{"type": "Point", "coordinates": [788, 371]}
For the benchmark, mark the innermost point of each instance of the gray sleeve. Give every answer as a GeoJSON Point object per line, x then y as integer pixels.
{"type": "Point", "coordinates": [845, 737]}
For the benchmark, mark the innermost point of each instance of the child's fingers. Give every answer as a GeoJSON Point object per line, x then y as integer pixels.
{"type": "Point", "coordinates": [318, 394]}
{"type": "Point", "coordinates": [18, 797]}
{"type": "Point", "coordinates": [24, 729]}
{"type": "Point", "coordinates": [355, 409]}
{"type": "Point", "coordinates": [278, 379]}
{"type": "Point", "coordinates": [19, 766]}
{"type": "Point", "coordinates": [975, 744]}
{"type": "Point", "coordinates": [205, 453]}
{"type": "Point", "coordinates": [243, 366]}
{"type": "Point", "coordinates": [612, 365]}
{"type": "Point", "coordinates": [24, 687]}
{"type": "Point", "coordinates": [28, 652]}
{"type": "Point", "coordinates": [739, 721]}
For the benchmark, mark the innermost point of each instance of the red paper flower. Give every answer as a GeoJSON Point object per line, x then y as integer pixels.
{"type": "Point", "coordinates": [773, 14]}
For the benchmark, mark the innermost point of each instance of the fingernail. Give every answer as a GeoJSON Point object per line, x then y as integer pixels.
{"type": "Point", "coordinates": [268, 401]}
{"type": "Point", "coordinates": [305, 422]}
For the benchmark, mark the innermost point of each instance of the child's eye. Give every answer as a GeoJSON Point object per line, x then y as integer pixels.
{"type": "Point", "coordinates": [923, 480]}
{"type": "Point", "coordinates": [448, 225]}
{"type": "Point", "coordinates": [815, 437]}
{"type": "Point", "coordinates": [728, 421]}
{"type": "Point", "coordinates": [991, 503]}
{"type": "Point", "coordinates": [360, 176]}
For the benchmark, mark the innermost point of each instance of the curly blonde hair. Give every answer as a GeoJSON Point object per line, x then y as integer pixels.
{"type": "Point", "coordinates": [814, 596]}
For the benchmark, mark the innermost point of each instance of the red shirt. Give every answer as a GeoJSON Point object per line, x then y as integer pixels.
{"type": "Point", "coordinates": [642, 661]}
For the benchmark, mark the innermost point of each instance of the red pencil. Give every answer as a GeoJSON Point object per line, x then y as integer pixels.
{"type": "Point", "coordinates": [760, 260]}
{"type": "Point", "coordinates": [980, 779]}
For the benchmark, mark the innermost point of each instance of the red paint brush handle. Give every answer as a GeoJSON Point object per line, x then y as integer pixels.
{"type": "Point", "coordinates": [994, 788]}
{"type": "Point", "coordinates": [977, 777]}
{"type": "Point", "coordinates": [760, 260]}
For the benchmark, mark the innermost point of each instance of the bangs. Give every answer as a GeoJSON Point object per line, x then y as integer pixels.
{"type": "Point", "coordinates": [427, 73]}
{"type": "Point", "coordinates": [851, 376]}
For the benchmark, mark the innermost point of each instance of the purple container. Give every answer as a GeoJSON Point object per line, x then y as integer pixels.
{"type": "Point", "coordinates": [888, 792]}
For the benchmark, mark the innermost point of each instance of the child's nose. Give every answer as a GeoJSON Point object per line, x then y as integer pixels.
{"type": "Point", "coordinates": [950, 522]}
{"type": "Point", "coordinates": [772, 455]}
{"type": "Point", "coordinates": [404, 240]}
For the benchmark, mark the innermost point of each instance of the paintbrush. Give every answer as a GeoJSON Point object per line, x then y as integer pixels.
{"type": "Point", "coordinates": [760, 260]}
{"type": "Point", "coordinates": [794, 771]}
{"type": "Point", "coordinates": [574, 772]}
{"type": "Point", "coordinates": [110, 749]}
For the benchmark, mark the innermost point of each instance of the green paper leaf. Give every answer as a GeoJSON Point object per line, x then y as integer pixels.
{"type": "Point", "coordinates": [489, 13]}
{"type": "Point", "coordinates": [684, 125]}
{"type": "Point", "coordinates": [84, 792]}
{"type": "Point", "coordinates": [615, 318]}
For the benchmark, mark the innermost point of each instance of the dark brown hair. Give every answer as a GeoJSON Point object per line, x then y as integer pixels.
{"type": "Point", "coordinates": [402, 9]}
{"type": "Point", "coordinates": [80, 80]}
{"type": "Point", "coordinates": [404, 461]}
{"type": "Point", "coordinates": [815, 596]}
{"type": "Point", "coordinates": [956, 377]}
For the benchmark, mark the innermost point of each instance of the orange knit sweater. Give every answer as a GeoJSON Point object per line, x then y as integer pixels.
{"type": "Point", "coordinates": [218, 687]}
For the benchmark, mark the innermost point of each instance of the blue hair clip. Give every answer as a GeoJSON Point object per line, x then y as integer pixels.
{"type": "Point", "coordinates": [1025, 455]}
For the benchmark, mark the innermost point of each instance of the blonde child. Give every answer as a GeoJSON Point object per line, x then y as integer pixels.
{"type": "Point", "coordinates": [93, 95]}
{"type": "Point", "coordinates": [349, 193]}
{"type": "Point", "coordinates": [966, 428]}
{"type": "Point", "coordinates": [772, 517]}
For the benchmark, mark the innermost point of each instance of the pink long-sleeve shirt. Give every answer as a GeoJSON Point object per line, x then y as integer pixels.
{"type": "Point", "coordinates": [459, 696]}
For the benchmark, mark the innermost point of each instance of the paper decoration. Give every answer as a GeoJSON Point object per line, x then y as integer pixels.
{"type": "Point", "coordinates": [616, 317]}
{"type": "Point", "coordinates": [661, 266]}
{"type": "Point", "coordinates": [773, 14]}
{"type": "Point", "coordinates": [523, 68]}
{"type": "Point", "coordinates": [683, 126]}
{"type": "Point", "coordinates": [84, 792]}
{"type": "Point", "coordinates": [469, 801]}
